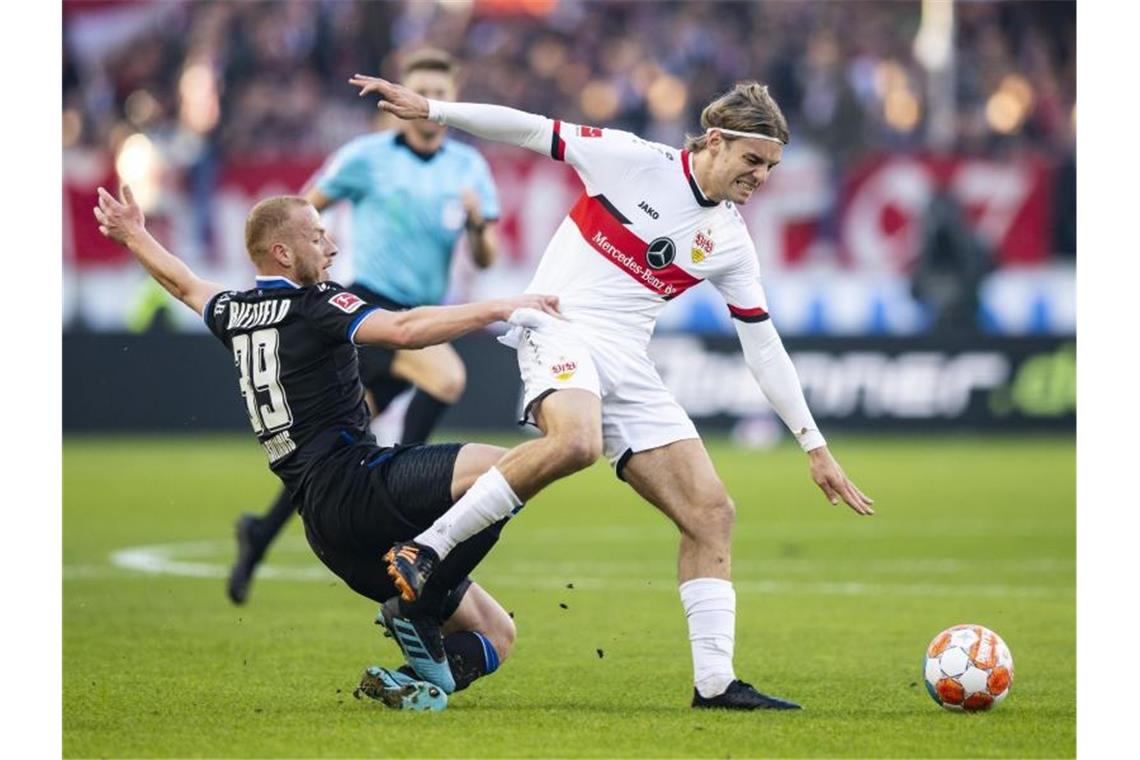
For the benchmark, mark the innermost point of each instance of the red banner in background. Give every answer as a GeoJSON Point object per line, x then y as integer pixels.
{"type": "Point", "coordinates": [874, 223]}
{"type": "Point", "coordinates": [1007, 205]}
{"type": "Point", "coordinates": [240, 185]}
{"type": "Point", "coordinates": [82, 243]}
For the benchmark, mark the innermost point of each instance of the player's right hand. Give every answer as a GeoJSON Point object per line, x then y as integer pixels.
{"type": "Point", "coordinates": [532, 310]}
{"type": "Point", "coordinates": [119, 218]}
{"type": "Point", "coordinates": [835, 484]}
{"type": "Point", "coordinates": [394, 98]}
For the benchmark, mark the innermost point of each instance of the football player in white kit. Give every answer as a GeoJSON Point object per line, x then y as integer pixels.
{"type": "Point", "coordinates": [653, 222]}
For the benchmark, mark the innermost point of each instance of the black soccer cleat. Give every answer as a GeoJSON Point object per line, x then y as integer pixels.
{"type": "Point", "coordinates": [249, 554]}
{"type": "Point", "coordinates": [410, 565]}
{"type": "Point", "coordinates": [742, 696]}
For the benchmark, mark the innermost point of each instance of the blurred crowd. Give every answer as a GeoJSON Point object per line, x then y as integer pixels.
{"type": "Point", "coordinates": [265, 79]}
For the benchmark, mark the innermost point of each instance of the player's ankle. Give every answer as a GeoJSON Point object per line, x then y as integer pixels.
{"type": "Point", "coordinates": [714, 684]}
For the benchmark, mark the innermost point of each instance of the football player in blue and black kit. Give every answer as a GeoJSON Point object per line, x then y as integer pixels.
{"type": "Point", "coordinates": [293, 340]}
{"type": "Point", "coordinates": [414, 194]}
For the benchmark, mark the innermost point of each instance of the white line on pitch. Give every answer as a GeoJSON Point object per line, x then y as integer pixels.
{"type": "Point", "coordinates": [192, 560]}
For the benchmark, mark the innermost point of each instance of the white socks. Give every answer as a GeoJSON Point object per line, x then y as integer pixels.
{"type": "Point", "coordinates": [710, 606]}
{"type": "Point", "coordinates": [489, 500]}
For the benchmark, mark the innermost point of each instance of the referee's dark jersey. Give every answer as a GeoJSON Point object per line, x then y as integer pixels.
{"type": "Point", "coordinates": [297, 369]}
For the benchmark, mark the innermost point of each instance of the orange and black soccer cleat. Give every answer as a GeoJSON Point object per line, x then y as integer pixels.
{"type": "Point", "coordinates": [410, 565]}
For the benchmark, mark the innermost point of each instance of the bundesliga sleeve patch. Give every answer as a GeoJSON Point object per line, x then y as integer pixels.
{"type": "Point", "coordinates": [346, 302]}
{"type": "Point", "coordinates": [584, 131]}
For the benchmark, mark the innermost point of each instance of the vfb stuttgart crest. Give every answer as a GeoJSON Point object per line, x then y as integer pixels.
{"type": "Point", "coordinates": [702, 246]}
{"type": "Point", "coordinates": [661, 253]}
{"type": "Point", "coordinates": [564, 369]}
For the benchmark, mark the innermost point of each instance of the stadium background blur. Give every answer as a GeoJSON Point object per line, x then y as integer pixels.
{"type": "Point", "coordinates": [918, 245]}
{"type": "Point", "coordinates": [918, 242]}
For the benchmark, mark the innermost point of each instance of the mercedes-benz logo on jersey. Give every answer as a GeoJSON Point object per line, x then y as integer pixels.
{"type": "Point", "coordinates": [661, 253]}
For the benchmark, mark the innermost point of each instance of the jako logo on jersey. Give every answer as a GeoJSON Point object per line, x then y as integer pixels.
{"type": "Point", "coordinates": [648, 209]}
{"type": "Point", "coordinates": [564, 370]}
{"type": "Point", "coordinates": [589, 131]}
{"type": "Point", "coordinates": [346, 302]}
{"type": "Point", "coordinates": [661, 253]}
{"type": "Point", "coordinates": [702, 246]}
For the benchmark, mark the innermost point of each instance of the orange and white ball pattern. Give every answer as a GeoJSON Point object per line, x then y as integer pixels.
{"type": "Point", "coordinates": [968, 668]}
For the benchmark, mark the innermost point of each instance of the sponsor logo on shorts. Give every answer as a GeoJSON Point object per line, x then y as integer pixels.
{"type": "Point", "coordinates": [564, 370]}
{"type": "Point", "coordinates": [702, 246]}
{"type": "Point", "coordinates": [346, 302]}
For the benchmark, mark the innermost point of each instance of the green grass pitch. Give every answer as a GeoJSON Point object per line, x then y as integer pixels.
{"type": "Point", "coordinates": [834, 611]}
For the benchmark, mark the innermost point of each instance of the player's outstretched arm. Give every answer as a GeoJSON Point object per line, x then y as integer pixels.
{"type": "Point", "coordinates": [499, 123]}
{"type": "Point", "coordinates": [121, 220]}
{"type": "Point", "coordinates": [770, 364]}
{"type": "Point", "coordinates": [428, 325]}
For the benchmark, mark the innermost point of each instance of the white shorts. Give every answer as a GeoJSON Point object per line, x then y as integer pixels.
{"type": "Point", "coordinates": [638, 411]}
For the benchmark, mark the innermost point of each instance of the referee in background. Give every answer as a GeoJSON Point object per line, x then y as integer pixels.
{"type": "Point", "coordinates": [414, 193]}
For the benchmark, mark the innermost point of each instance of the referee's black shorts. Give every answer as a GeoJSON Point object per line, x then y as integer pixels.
{"type": "Point", "coordinates": [376, 361]}
{"type": "Point", "coordinates": [362, 498]}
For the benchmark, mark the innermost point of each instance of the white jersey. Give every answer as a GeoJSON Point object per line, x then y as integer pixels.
{"type": "Point", "coordinates": [641, 234]}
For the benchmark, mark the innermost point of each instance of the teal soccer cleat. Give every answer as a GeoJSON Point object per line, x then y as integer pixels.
{"type": "Point", "coordinates": [421, 642]}
{"type": "Point", "coordinates": [399, 691]}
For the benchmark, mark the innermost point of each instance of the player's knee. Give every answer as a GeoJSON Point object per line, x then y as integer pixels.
{"type": "Point", "coordinates": [577, 449]}
{"type": "Point", "coordinates": [725, 510]}
{"type": "Point", "coordinates": [451, 384]}
{"type": "Point", "coordinates": [713, 516]}
{"type": "Point", "coordinates": [503, 637]}
{"type": "Point", "coordinates": [721, 513]}
{"type": "Point", "coordinates": [499, 629]}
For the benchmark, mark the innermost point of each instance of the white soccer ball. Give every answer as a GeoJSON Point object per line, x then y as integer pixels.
{"type": "Point", "coordinates": [968, 668]}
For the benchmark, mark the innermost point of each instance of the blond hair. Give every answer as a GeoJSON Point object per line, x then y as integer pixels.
{"type": "Point", "coordinates": [747, 107]}
{"type": "Point", "coordinates": [265, 223]}
{"type": "Point", "coordinates": [428, 59]}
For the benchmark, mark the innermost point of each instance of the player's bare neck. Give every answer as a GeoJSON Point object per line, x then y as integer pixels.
{"type": "Point", "coordinates": [272, 270]}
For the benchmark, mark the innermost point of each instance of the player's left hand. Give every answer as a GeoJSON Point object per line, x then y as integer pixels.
{"type": "Point", "coordinates": [121, 217]}
{"type": "Point", "coordinates": [394, 98]}
{"type": "Point", "coordinates": [472, 207]}
{"type": "Point", "coordinates": [835, 484]}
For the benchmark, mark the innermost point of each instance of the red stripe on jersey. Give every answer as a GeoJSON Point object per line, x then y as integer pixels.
{"type": "Point", "coordinates": [625, 250]}
{"type": "Point", "coordinates": [702, 199]}
{"type": "Point", "coordinates": [756, 314]}
{"type": "Point", "coordinates": [557, 144]}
